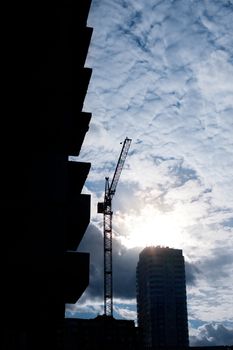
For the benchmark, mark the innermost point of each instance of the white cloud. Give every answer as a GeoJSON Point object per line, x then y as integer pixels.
{"type": "Point", "coordinates": [87, 307]}
{"type": "Point", "coordinates": [212, 334]}
{"type": "Point", "coordinates": [125, 313]}
{"type": "Point", "coordinates": [163, 76]}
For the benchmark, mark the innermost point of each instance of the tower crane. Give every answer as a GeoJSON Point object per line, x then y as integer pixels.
{"type": "Point", "coordinates": [105, 208]}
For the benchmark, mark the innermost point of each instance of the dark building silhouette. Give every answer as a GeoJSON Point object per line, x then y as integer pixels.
{"type": "Point", "coordinates": [100, 333]}
{"type": "Point", "coordinates": [161, 299]}
{"type": "Point", "coordinates": [43, 213]}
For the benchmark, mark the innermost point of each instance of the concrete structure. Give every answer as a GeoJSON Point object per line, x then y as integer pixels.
{"type": "Point", "coordinates": [161, 299]}
{"type": "Point", "coordinates": [43, 213]}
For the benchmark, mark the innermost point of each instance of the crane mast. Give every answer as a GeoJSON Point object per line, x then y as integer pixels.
{"type": "Point", "coordinates": [105, 208]}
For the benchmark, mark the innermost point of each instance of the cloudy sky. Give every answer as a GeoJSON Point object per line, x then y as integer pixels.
{"type": "Point", "coordinates": [163, 76]}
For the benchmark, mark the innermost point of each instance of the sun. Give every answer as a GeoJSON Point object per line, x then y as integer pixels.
{"type": "Point", "coordinates": [151, 227]}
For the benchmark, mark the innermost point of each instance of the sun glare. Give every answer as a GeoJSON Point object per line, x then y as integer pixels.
{"type": "Point", "coordinates": [152, 227]}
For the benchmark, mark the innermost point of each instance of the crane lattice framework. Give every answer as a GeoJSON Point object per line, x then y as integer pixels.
{"type": "Point", "coordinates": [105, 208]}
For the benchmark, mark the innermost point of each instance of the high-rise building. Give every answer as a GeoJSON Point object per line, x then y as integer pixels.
{"type": "Point", "coordinates": [161, 298]}
{"type": "Point", "coordinates": [44, 213]}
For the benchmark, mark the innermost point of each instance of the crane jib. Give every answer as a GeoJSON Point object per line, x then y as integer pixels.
{"type": "Point", "coordinates": [120, 164]}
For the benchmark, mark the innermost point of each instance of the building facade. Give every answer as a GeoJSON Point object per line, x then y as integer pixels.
{"type": "Point", "coordinates": [161, 298]}
{"type": "Point", "coordinates": [44, 214]}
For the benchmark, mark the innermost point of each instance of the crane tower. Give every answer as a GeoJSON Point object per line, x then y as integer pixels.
{"type": "Point", "coordinates": [105, 208]}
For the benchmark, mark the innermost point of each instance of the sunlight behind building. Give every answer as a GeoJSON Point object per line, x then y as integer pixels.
{"type": "Point", "coordinates": [152, 227]}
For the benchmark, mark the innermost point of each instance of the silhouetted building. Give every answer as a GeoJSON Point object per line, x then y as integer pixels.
{"type": "Point", "coordinates": [161, 299]}
{"type": "Point", "coordinates": [43, 213]}
{"type": "Point", "coordinates": [100, 333]}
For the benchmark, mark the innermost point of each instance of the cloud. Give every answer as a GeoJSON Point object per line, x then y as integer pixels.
{"type": "Point", "coordinates": [219, 265]}
{"type": "Point", "coordinates": [163, 76]}
{"type": "Point", "coordinates": [84, 309]}
{"type": "Point", "coordinates": [207, 289]}
{"type": "Point", "coordinates": [212, 334]}
{"type": "Point", "coordinates": [126, 313]}
{"type": "Point", "coordinates": [191, 273]}
{"type": "Point", "coordinates": [92, 242]}
{"type": "Point", "coordinates": [124, 266]}
{"type": "Point", "coordinates": [210, 296]}
{"type": "Point", "coordinates": [124, 279]}
{"type": "Point", "coordinates": [171, 91]}
{"type": "Point", "coordinates": [124, 271]}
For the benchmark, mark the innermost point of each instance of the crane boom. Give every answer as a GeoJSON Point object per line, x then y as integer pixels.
{"type": "Point", "coordinates": [106, 209]}
{"type": "Point", "coordinates": [119, 166]}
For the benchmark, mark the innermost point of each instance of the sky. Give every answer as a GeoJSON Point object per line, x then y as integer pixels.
{"type": "Point", "coordinates": [163, 76]}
